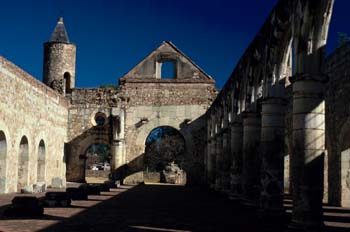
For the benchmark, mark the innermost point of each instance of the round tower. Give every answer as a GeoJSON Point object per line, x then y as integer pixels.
{"type": "Point", "coordinates": [59, 60]}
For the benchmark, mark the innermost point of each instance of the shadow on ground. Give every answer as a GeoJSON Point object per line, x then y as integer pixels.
{"type": "Point", "coordinates": [160, 208]}
{"type": "Point", "coordinates": [165, 208]}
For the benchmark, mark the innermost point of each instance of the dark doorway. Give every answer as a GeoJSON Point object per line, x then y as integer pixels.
{"type": "Point", "coordinates": [98, 163]}
{"type": "Point", "coordinates": [165, 156]}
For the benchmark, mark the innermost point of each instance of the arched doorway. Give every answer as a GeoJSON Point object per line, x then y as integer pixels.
{"type": "Point", "coordinates": [164, 156]}
{"type": "Point", "coordinates": [23, 164]}
{"type": "Point", "coordinates": [344, 148]}
{"type": "Point", "coordinates": [41, 162]}
{"type": "Point", "coordinates": [97, 163]}
{"type": "Point", "coordinates": [3, 154]}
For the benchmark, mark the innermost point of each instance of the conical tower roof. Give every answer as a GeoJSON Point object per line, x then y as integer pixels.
{"type": "Point", "coordinates": [59, 34]}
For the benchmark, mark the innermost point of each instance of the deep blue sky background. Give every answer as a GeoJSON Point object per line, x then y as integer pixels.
{"type": "Point", "coordinates": [112, 36]}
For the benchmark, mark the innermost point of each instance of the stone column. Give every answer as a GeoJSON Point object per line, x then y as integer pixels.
{"type": "Point", "coordinates": [272, 153]}
{"type": "Point", "coordinates": [226, 160]}
{"type": "Point", "coordinates": [251, 159]}
{"type": "Point", "coordinates": [118, 144]}
{"type": "Point", "coordinates": [117, 154]}
{"type": "Point", "coordinates": [213, 166]}
{"type": "Point", "coordinates": [308, 152]}
{"type": "Point", "coordinates": [210, 163]}
{"type": "Point", "coordinates": [219, 162]}
{"type": "Point", "coordinates": [236, 167]}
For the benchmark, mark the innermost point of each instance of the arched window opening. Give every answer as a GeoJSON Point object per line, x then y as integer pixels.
{"type": "Point", "coordinates": [3, 154]}
{"type": "Point", "coordinates": [100, 119]}
{"type": "Point", "coordinates": [67, 79]}
{"type": "Point", "coordinates": [98, 163]}
{"type": "Point", "coordinates": [23, 164]}
{"type": "Point", "coordinates": [164, 157]}
{"type": "Point", "coordinates": [168, 70]}
{"type": "Point", "coordinates": [41, 162]}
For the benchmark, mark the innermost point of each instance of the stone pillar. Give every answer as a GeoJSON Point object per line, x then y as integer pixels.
{"type": "Point", "coordinates": [236, 168]}
{"type": "Point", "coordinates": [118, 159]}
{"type": "Point", "coordinates": [219, 162]}
{"type": "Point", "coordinates": [118, 145]}
{"type": "Point", "coordinates": [210, 163]}
{"type": "Point", "coordinates": [272, 154]}
{"type": "Point", "coordinates": [251, 159]}
{"type": "Point", "coordinates": [227, 160]}
{"type": "Point", "coordinates": [308, 153]}
{"type": "Point", "coordinates": [213, 166]}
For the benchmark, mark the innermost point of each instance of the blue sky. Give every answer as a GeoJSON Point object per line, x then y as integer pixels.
{"type": "Point", "coordinates": [113, 36]}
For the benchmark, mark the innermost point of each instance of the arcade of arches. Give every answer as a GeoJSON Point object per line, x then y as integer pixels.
{"type": "Point", "coordinates": [271, 128]}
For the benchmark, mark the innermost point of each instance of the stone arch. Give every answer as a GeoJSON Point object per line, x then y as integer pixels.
{"type": "Point", "coordinates": [23, 163]}
{"type": "Point", "coordinates": [8, 184]}
{"type": "Point", "coordinates": [84, 145]}
{"type": "Point", "coordinates": [41, 165]}
{"type": "Point", "coordinates": [3, 156]}
{"type": "Point", "coordinates": [135, 173]}
{"type": "Point", "coordinates": [164, 156]}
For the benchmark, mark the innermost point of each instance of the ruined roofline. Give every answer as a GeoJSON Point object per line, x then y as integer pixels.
{"type": "Point", "coordinates": [160, 81]}
{"type": "Point", "coordinates": [344, 48]}
{"type": "Point", "coordinates": [123, 78]}
{"type": "Point", "coordinates": [251, 47]}
{"type": "Point", "coordinates": [93, 88]}
{"type": "Point", "coordinates": [23, 75]}
{"type": "Point", "coordinates": [191, 61]}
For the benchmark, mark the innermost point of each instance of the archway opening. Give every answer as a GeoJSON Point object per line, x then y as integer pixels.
{"type": "Point", "coordinates": [98, 163]}
{"type": "Point", "coordinates": [164, 157]}
{"type": "Point", "coordinates": [3, 153]}
{"type": "Point", "coordinates": [41, 162]}
{"type": "Point", "coordinates": [23, 164]}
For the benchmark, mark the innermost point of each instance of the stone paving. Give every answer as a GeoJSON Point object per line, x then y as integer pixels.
{"type": "Point", "coordinates": [146, 208]}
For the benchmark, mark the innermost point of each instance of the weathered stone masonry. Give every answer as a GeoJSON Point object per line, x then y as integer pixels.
{"type": "Point", "coordinates": [142, 102]}
{"type": "Point", "coordinates": [236, 140]}
{"type": "Point", "coordinates": [35, 113]}
{"type": "Point", "coordinates": [280, 113]}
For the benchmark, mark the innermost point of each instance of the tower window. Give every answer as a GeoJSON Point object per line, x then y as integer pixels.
{"type": "Point", "coordinates": [168, 70]}
{"type": "Point", "coordinates": [67, 79]}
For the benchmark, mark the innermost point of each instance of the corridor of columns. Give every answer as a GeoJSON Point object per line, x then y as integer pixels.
{"type": "Point", "coordinates": [272, 108]}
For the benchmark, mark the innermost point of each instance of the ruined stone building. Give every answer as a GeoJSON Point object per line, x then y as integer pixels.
{"type": "Point", "coordinates": [47, 129]}
{"type": "Point", "coordinates": [280, 123]}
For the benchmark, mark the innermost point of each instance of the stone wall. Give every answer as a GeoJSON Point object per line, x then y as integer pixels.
{"type": "Point", "coordinates": [338, 124]}
{"type": "Point", "coordinates": [142, 102]}
{"type": "Point", "coordinates": [31, 109]}
{"type": "Point", "coordinates": [166, 104]}
{"type": "Point", "coordinates": [175, 116]}
{"type": "Point", "coordinates": [82, 128]}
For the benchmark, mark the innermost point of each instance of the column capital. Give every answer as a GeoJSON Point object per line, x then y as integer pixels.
{"type": "Point", "coordinates": [309, 77]}
{"type": "Point", "coordinates": [274, 101]}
